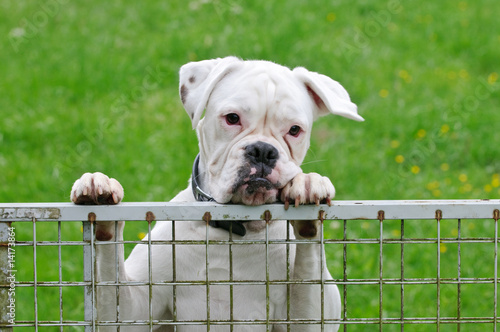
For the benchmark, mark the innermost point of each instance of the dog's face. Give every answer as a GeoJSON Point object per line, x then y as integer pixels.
{"type": "Point", "coordinates": [257, 124]}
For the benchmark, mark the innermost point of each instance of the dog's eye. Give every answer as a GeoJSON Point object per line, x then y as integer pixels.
{"type": "Point", "coordinates": [294, 131]}
{"type": "Point", "coordinates": [232, 119]}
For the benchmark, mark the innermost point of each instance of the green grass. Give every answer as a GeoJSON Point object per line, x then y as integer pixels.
{"type": "Point", "coordinates": [74, 98]}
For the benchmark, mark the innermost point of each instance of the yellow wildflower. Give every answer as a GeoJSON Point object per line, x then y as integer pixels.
{"type": "Point", "coordinates": [331, 17]}
{"type": "Point", "coordinates": [141, 235]}
{"type": "Point", "coordinates": [492, 78]}
{"type": "Point", "coordinates": [462, 177]}
{"type": "Point", "coordinates": [405, 76]}
{"type": "Point", "coordinates": [495, 181]}
{"type": "Point", "coordinates": [436, 193]}
{"type": "Point", "coordinates": [421, 133]}
{"type": "Point", "coordinates": [395, 144]}
{"type": "Point", "coordinates": [399, 159]}
{"type": "Point", "coordinates": [415, 169]}
{"type": "Point", "coordinates": [445, 167]}
{"type": "Point", "coordinates": [383, 93]}
{"type": "Point", "coordinates": [444, 129]}
{"type": "Point", "coordinates": [488, 188]}
{"type": "Point", "coordinates": [464, 74]}
{"type": "Point", "coordinates": [465, 188]}
{"type": "Point", "coordinates": [432, 185]}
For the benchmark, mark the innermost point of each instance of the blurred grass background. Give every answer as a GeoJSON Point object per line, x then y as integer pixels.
{"type": "Point", "coordinates": [93, 86]}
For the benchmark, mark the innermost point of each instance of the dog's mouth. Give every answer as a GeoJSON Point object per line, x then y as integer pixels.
{"type": "Point", "coordinates": [258, 184]}
{"type": "Point", "coordinates": [255, 190]}
{"type": "Point", "coordinates": [256, 179]}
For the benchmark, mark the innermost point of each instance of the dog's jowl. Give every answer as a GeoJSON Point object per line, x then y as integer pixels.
{"type": "Point", "coordinates": [253, 120]}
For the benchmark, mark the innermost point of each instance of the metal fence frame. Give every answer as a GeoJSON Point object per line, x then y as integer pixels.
{"type": "Point", "coordinates": [345, 211]}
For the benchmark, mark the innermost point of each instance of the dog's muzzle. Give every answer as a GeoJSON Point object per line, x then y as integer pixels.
{"type": "Point", "coordinates": [262, 158]}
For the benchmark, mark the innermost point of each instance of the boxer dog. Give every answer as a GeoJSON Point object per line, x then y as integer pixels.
{"type": "Point", "coordinates": [253, 120]}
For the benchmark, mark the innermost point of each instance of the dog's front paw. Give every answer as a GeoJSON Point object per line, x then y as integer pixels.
{"type": "Point", "coordinates": [96, 188]}
{"type": "Point", "coordinates": [307, 189]}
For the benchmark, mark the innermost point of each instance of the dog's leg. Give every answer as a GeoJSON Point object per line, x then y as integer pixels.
{"type": "Point", "coordinates": [307, 301]}
{"type": "Point", "coordinates": [97, 188]}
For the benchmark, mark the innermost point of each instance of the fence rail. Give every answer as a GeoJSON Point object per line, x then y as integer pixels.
{"type": "Point", "coordinates": [448, 248]}
{"type": "Point", "coordinates": [351, 210]}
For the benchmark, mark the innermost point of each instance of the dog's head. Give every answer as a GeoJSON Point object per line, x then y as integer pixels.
{"type": "Point", "coordinates": [257, 124]}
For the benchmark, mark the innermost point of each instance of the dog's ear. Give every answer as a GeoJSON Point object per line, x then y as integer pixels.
{"type": "Point", "coordinates": [328, 95]}
{"type": "Point", "coordinates": [198, 79]}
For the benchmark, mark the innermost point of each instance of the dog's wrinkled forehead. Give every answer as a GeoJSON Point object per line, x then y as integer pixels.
{"type": "Point", "coordinates": [199, 79]}
{"type": "Point", "coordinates": [259, 90]}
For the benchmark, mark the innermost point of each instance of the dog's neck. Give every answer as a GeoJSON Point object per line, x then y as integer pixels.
{"type": "Point", "coordinates": [236, 227]}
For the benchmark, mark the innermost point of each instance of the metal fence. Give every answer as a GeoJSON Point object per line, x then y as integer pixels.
{"type": "Point", "coordinates": [399, 265]}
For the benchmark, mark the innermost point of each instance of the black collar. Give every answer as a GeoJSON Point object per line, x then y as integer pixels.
{"type": "Point", "coordinates": [198, 193]}
{"type": "Point", "coordinates": [236, 227]}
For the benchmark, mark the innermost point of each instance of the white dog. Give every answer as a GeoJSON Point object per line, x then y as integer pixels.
{"type": "Point", "coordinates": [252, 139]}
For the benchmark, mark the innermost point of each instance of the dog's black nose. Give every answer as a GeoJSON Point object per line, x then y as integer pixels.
{"type": "Point", "coordinates": [262, 153]}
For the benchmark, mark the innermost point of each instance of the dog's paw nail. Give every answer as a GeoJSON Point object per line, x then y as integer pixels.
{"type": "Point", "coordinates": [316, 201]}
{"type": "Point", "coordinates": [115, 198]}
{"type": "Point", "coordinates": [329, 201]}
{"type": "Point", "coordinates": [287, 204]}
{"type": "Point", "coordinates": [99, 190]}
{"type": "Point", "coordinates": [297, 201]}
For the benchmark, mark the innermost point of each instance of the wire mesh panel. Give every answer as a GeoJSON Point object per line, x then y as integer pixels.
{"type": "Point", "coordinates": [399, 266]}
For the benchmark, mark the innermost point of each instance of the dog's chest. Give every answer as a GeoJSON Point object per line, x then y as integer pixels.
{"type": "Point", "coordinates": [245, 267]}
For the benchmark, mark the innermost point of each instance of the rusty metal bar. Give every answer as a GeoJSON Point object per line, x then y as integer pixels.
{"type": "Point", "coordinates": [35, 279]}
{"type": "Point", "coordinates": [496, 216]}
{"type": "Point", "coordinates": [88, 273]}
{"type": "Point", "coordinates": [439, 215]}
{"type": "Point", "coordinates": [459, 272]}
{"type": "Point", "coordinates": [207, 217]}
{"type": "Point", "coordinates": [380, 217]}
{"type": "Point", "coordinates": [288, 276]}
{"type": "Point", "coordinates": [150, 217]}
{"type": "Point", "coordinates": [174, 277]}
{"type": "Point", "coordinates": [344, 274]}
{"type": "Point", "coordinates": [402, 289]}
{"type": "Point", "coordinates": [268, 304]}
{"type": "Point", "coordinates": [321, 218]}
{"type": "Point", "coordinates": [59, 259]}
{"type": "Point", "coordinates": [117, 277]}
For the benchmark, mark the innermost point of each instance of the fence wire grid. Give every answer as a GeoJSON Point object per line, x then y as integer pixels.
{"type": "Point", "coordinates": [399, 265]}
